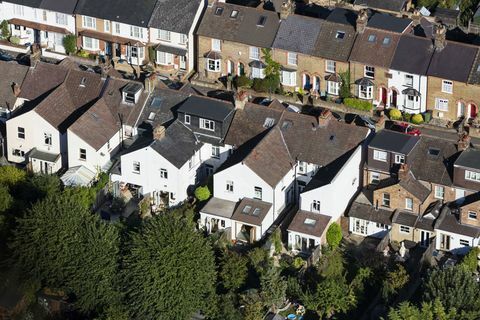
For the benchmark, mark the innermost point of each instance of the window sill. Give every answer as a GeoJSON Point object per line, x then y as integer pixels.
{"type": "Point", "coordinates": [136, 172]}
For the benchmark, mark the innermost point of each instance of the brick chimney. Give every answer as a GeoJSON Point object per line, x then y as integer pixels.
{"type": "Point", "coordinates": [324, 118]}
{"type": "Point", "coordinates": [463, 142]}
{"type": "Point", "coordinates": [440, 37]}
{"type": "Point", "coordinates": [416, 16]}
{"type": "Point", "coordinates": [241, 98]}
{"type": "Point", "coordinates": [362, 20]}
{"type": "Point", "coordinates": [16, 89]}
{"type": "Point", "coordinates": [158, 132]}
{"type": "Point", "coordinates": [288, 8]}
{"type": "Point", "coordinates": [403, 172]}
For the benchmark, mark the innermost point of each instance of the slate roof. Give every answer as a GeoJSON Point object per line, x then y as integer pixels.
{"type": "Point", "coordinates": [454, 62]}
{"type": "Point", "coordinates": [415, 188]}
{"type": "Point", "coordinates": [362, 208]}
{"type": "Point", "coordinates": [426, 165]}
{"type": "Point", "coordinates": [387, 5]}
{"type": "Point", "coordinates": [135, 13]}
{"type": "Point", "coordinates": [343, 16]}
{"type": "Point", "coordinates": [329, 46]}
{"type": "Point", "coordinates": [247, 216]}
{"type": "Point", "coordinates": [413, 55]}
{"type": "Point", "coordinates": [388, 22]}
{"type": "Point", "coordinates": [174, 15]}
{"type": "Point", "coordinates": [449, 222]}
{"type": "Point", "coordinates": [243, 29]}
{"type": "Point", "coordinates": [377, 53]}
{"type": "Point", "coordinates": [11, 73]}
{"type": "Point", "coordinates": [474, 77]}
{"type": "Point", "coordinates": [298, 34]}
{"type": "Point", "coordinates": [219, 207]}
{"type": "Point", "coordinates": [405, 218]}
{"type": "Point", "coordinates": [41, 79]}
{"type": "Point", "coordinates": [469, 158]}
{"type": "Point", "coordinates": [206, 107]}
{"type": "Point", "coordinates": [178, 146]}
{"type": "Point", "coordinates": [64, 6]}
{"type": "Point", "coordinates": [317, 229]}
{"type": "Point", "coordinates": [394, 141]}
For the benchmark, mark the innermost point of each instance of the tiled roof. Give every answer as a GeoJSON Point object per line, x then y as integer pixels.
{"type": "Point", "coordinates": [388, 22]}
{"type": "Point", "coordinates": [413, 55]}
{"type": "Point", "coordinates": [369, 213]}
{"type": "Point", "coordinates": [454, 62]}
{"type": "Point", "coordinates": [251, 211]}
{"type": "Point", "coordinates": [298, 34]}
{"type": "Point", "coordinates": [42, 78]}
{"type": "Point", "coordinates": [335, 41]}
{"type": "Point", "coordinates": [313, 224]}
{"type": "Point", "coordinates": [415, 188]}
{"type": "Point", "coordinates": [375, 48]}
{"type": "Point", "coordinates": [387, 5]}
{"type": "Point", "coordinates": [174, 15]}
{"type": "Point", "coordinates": [394, 141]}
{"type": "Point", "coordinates": [208, 108]}
{"type": "Point", "coordinates": [469, 158]}
{"type": "Point", "coordinates": [11, 73]}
{"type": "Point", "coordinates": [219, 207]}
{"type": "Point", "coordinates": [449, 222]}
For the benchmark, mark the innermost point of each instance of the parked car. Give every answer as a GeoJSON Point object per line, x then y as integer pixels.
{"type": "Point", "coordinates": [5, 56]}
{"type": "Point", "coordinates": [293, 108]}
{"type": "Point", "coordinates": [406, 128]}
{"type": "Point", "coordinates": [360, 120]}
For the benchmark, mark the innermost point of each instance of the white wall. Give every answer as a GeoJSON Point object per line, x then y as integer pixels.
{"type": "Point", "coordinates": [206, 153]}
{"type": "Point", "coordinates": [206, 218]}
{"type": "Point", "coordinates": [419, 83]}
{"type": "Point", "coordinates": [455, 246]}
{"type": "Point", "coordinates": [292, 235]}
{"type": "Point", "coordinates": [372, 229]}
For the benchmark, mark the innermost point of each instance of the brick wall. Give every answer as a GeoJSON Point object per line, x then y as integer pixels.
{"type": "Point", "coordinates": [397, 198]}
{"type": "Point", "coordinates": [357, 71]}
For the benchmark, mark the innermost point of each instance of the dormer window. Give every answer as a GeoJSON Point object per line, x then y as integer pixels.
{"type": "Point", "coordinates": [207, 124]}
{"type": "Point", "coordinates": [261, 21]}
{"type": "Point", "coordinates": [340, 35]}
{"type": "Point", "coordinates": [218, 11]}
{"type": "Point", "coordinates": [131, 93]}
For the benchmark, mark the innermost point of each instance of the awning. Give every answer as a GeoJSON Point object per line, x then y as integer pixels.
{"type": "Point", "coordinates": [38, 26]}
{"type": "Point", "coordinates": [172, 50]}
{"type": "Point", "coordinates": [110, 38]}
{"type": "Point", "coordinates": [257, 64]}
{"type": "Point", "coordinates": [411, 92]}
{"type": "Point", "coordinates": [214, 55]}
{"type": "Point", "coordinates": [78, 176]}
{"type": "Point", "coordinates": [288, 69]}
{"type": "Point", "coordinates": [334, 77]}
{"type": "Point", "coordinates": [44, 156]}
{"type": "Point", "coordinates": [366, 82]}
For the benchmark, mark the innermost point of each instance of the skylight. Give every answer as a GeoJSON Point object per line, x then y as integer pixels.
{"type": "Point", "coordinates": [151, 116]}
{"type": "Point", "coordinates": [286, 124]}
{"type": "Point", "coordinates": [386, 41]}
{"type": "Point", "coordinates": [269, 122]}
{"type": "Point", "coordinates": [256, 212]}
{"type": "Point", "coordinates": [433, 152]}
{"type": "Point", "coordinates": [309, 222]}
{"type": "Point", "coordinates": [156, 102]}
{"type": "Point", "coordinates": [261, 21]}
{"type": "Point", "coordinates": [340, 35]}
{"type": "Point", "coordinates": [234, 14]}
{"type": "Point", "coordinates": [218, 11]}
{"type": "Point", "coordinates": [247, 209]}
{"type": "Point", "coordinates": [372, 38]}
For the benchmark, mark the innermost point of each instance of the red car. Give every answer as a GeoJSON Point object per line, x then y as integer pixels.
{"type": "Point", "coordinates": [404, 127]}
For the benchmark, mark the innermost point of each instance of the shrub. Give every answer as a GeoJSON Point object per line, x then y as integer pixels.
{"type": "Point", "coordinates": [358, 104]}
{"type": "Point", "coordinates": [70, 43]}
{"type": "Point", "coordinates": [244, 81]}
{"type": "Point", "coordinates": [407, 116]}
{"type": "Point", "coordinates": [345, 86]}
{"type": "Point", "coordinates": [470, 261]}
{"type": "Point", "coordinates": [298, 262]}
{"type": "Point", "coordinates": [417, 118]}
{"type": "Point", "coordinates": [334, 235]}
{"type": "Point", "coordinates": [202, 193]}
{"type": "Point", "coordinates": [14, 40]}
{"type": "Point", "coordinates": [5, 29]}
{"type": "Point", "coordinates": [395, 114]}
{"type": "Point", "coordinates": [259, 85]}
{"type": "Point", "coordinates": [83, 54]}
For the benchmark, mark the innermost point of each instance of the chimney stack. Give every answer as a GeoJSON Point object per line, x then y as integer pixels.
{"type": "Point", "coordinates": [241, 98]}
{"type": "Point", "coordinates": [158, 132]}
{"type": "Point", "coordinates": [440, 37]}
{"type": "Point", "coordinates": [324, 118]}
{"type": "Point", "coordinates": [288, 8]}
{"type": "Point", "coordinates": [362, 21]}
{"type": "Point", "coordinates": [403, 172]}
{"type": "Point", "coordinates": [416, 16]}
{"type": "Point", "coordinates": [16, 89]}
{"type": "Point", "coordinates": [463, 142]}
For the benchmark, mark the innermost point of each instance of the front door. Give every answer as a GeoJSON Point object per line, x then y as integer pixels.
{"type": "Point", "coordinates": [424, 238]}
{"type": "Point", "coordinates": [383, 93]}
{"type": "Point", "coordinates": [36, 36]}
{"type": "Point", "coordinates": [118, 50]}
{"type": "Point", "coordinates": [393, 102]}
{"type": "Point", "coordinates": [472, 110]}
{"type": "Point", "coordinates": [108, 48]}
{"type": "Point", "coordinates": [183, 62]}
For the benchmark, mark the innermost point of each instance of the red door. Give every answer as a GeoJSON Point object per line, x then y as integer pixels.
{"type": "Point", "coordinates": [383, 92]}
{"type": "Point", "coordinates": [473, 110]}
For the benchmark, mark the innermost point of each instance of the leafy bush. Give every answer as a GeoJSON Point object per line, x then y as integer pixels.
{"type": "Point", "coordinates": [277, 240]}
{"type": "Point", "coordinates": [417, 118]}
{"type": "Point", "coordinates": [470, 261]}
{"type": "Point", "coordinates": [267, 84]}
{"type": "Point", "coordinates": [407, 116]}
{"type": "Point", "coordinates": [334, 235]}
{"type": "Point", "coordinates": [244, 81]}
{"type": "Point", "coordinates": [395, 114]}
{"type": "Point", "coordinates": [70, 43]}
{"type": "Point", "coordinates": [259, 85]}
{"type": "Point", "coordinates": [202, 193]}
{"type": "Point", "coordinates": [10, 175]}
{"type": "Point", "coordinates": [345, 86]}
{"type": "Point", "coordinates": [358, 104]}
{"type": "Point", "coordinates": [5, 29]}
{"type": "Point", "coordinates": [298, 262]}
{"type": "Point", "coordinates": [14, 40]}
{"type": "Point", "coordinates": [83, 54]}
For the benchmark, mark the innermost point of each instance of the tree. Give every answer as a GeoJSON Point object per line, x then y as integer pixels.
{"type": "Point", "coordinates": [70, 43]}
{"type": "Point", "coordinates": [253, 308]}
{"type": "Point", "coordinates": [202, 193]}
{"type": "Point", "coordinates": [233, 270]}
{"type": "Point", "coordinates": [331, 264]}
{"type": "Point", "coordinates": [272, 71]}
{"type": "Point", "coordinates": [394, 281]}
{"type": "Point", "coordinates": [228, 309]}
{"type": "Point", "coordinates": [169, 269]}
{"type": "Point", "coordinates": [5, 29]}
{"type": "Point", "coordinates": [345, 85]}
{"type": "Point", "coordinates": [61, 244]}
{"type": "Point", "coordinates": [428, 311]}
{"type": "Point", "coordinates": [470, 260]}
{"type": "Point", "coordinates": [259, 260]}
{"type": "Point", "coordinates": [273, 288]}
{"type": "Point", "coordinates": [12, 176]}
{"type": "Point", "coordinates": [455, 287]}
{"type": "Point", "coordinates": [334, 235]}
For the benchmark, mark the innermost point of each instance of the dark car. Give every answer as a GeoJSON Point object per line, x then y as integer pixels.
{"type": "Point", "coordinates": [406, 128]}
{"type": "Point", "coordinates": [5, 56]}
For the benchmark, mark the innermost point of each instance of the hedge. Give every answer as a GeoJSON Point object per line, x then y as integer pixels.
{"type": "Point", "coordinates": [358, 104]}
{"type": "Point", "coordinates": [395, 114]}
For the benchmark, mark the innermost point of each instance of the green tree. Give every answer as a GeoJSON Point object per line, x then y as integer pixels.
{"type": "Point", "coordinates": [228, 308]}
{"type": "Point", "coordinates": [331, 264]}
{"type": "Point", "coordinates": [394, 281]}
{"type": "Point", "coordinates": [233, 270]}
{"type": "Point", "coordinates": [470, 260]}
{"type": "Point", "coordinates": [61, 244]}
{"type": "Point", "coordinates": [253, 308]}
{"type": "Point", "coordinates": [70, 43]}
{"type": "Point", "coordinates": [345, 85]}
{"type": "Point", "coordinates": [334, 235]}
{"type": "Point", "coordinates": [455, 287]}
{"type": "Point", "coordinates": [273, 288]}
{"type": "Point", "coordinates": [5, 29]}
{"type": "Point", "coordinates": [169, 269]}
{"type": "Point", "coordinates": [12, 176]}
{"type": "Point", "coordinates": [272, 71]}
{"type": "Point", "coordinates": [428, 311]}
{"type": "Point", "coordinates": [259, 260]}
{"type": "Point", "coordinates": [202, 193]}
{"type": "Point", "coordinates": [6, 199]}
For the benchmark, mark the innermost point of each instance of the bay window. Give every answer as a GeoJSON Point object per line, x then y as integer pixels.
{"type": "Point", "coordinates": [213, 65]}
{"type": "Point", "coordinates": [289, 78]}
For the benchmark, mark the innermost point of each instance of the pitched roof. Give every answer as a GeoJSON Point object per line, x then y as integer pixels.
{"type": "Point", "coordinates": [387, 5]}
{"type": "Point", "coordinates": [389, 23]}
{"type": "Point", "coordinates": [415, 188]}
{"type": "Point", "coordinates": [64, 6]}
{"type": "Point", "coordinates": [219, 207]}
{"type": "Point", "coordinates": [12, 73]}
{"type": "Point", "coordinates": [205, 107]}
{"type": "Point", "coordinates": [251, 211]}
{"type": "Point", "coordinates": [449, 222]}
{"type": "Point", "coordinates": [42, 78]}
{"type": "Point", "coordinates": [335, 41]}
{"type": "Point", "coordinates": [310, 223]}
{"type": "Point", "coordinates": [405, 218]}
{"type": "Point", "coordinates": [368, 212]}
{"type": "Point", "coordinates": [469, 158]}
{"type": "Point", "coordinates": [454, 62]}
{"type": "Point", "coordinates": [474, 77]}
{"type": "Point", "coordinates": [413, 55]}
{"type": "Point", "coordinates": [343, 16]}
{"type": "Point", "coordinates": [135, 13]}
{"type": "Point", "coordinates": [246, 28]}
{"type": "Point", "coordinates": [298, 34]}
{"type": "Point", "coordinates": [174, 15]}
{"type": "Point", "coordinates": [394, 141]}
{"type": "Point", "coordinates": [375, 48]}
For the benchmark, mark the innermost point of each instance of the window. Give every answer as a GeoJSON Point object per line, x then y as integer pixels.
{"type": "Point", "coordinates": [472, 215]}
{"type": "Point", "coordinates": [18, 153]}
{"type": "Point", "coordinates": [136, 32]}
{"type": "Point", "coordinates": [439, 192]}
{"type": "Point", "coordinates": [183, 39]}
{"type": "Point", "coordinates": [187, 119]}
{"type": "Point", "coordinates": [47, 139]}
{"type": "Point", "coordinates": [447, 86]}
{"type": "Point", "coordinates": [261, 21]}
{"type": "Point", "coordinates": [441, 104]}
{"type": "Point", "coordinates": [207, 124]}
{"type": "Point", "coordinates": [18, 10]}
{"type": "Point", "coordinates": [469, 175]}
{"type": "Point", "coordinates": [164, 58]}
{"type": "Point", "coordinates": [258, 73]}
{"type": "Point", "coordinates": [289, 78]}
{"type": "Point", "coordinates": [58, 39]}
{"type": "Point", "coordinates": [136, 167]}
{"type": "Point", "coordinates": [409, 80]}
{"type": "Point", "coordinates": [372, 38]}
{"type": "Point", "coordinates": [310, 222]}
{"type": "Point", "coordinates": [404, 229]}
{"type": "Point", "coordinates": [21, 133]}
{"type": "Point", "coordinates": [268, 123]}
{"type": "Point", "coordinates": [333, 88]}
{"type": "Point", "coordinates": [164, 35]}
{"type": "Point", "coordinates": [117, 27]}
{"type": "Point", "coordinates": [258, 193]}
{"type": "Point", "coordinates": [254, 53]}
{"type": "Point", "coordinates": [365, 92]}
{"type": "Point", "coordinates": [106, 25]}
{"type": "Point", "coordinates": [292, 58]}
{"type": "Point", "coordinates": [302, 167]}
{"type": "Point", "coordinates": [369, 72]}
{"type": "Point", "coordinates": [386, 200]}
{"type": "Point", "coordinates": [213, 65]}
{"type": "Point", "coordinates": [234, 14]}
{"type": "Point", "coordinates": [340, 35]}
{"type": "Point", "coordinates": [316, 206]}
{"type": "Point", "coordinates": [61, 18]}
{"type": "Point", "coordinates": [464, 243]}
{"type": "Point", "coordinates": [90, 43]}
{"type": "Point", "coordinates": [215, 152]}
{"type": "Point", "coordinates": [216, 46]}
{"type": "Point", "coordinates": [44, 15]}
{"type": "Point", "coordinates": [380, 155]}
{"type": "Point", "coordinates": [82, 154]}
{"type": "Point", "coordinates": [247, 209]}
{"type": "Point", "coordinates": [374, 177]}
{"type": "Point", "coordinates": [89, 22]}
{"type": "Point", "coordinates": [330, 66]}
{"type": "Point", "coordinates": [229, 187]}
{"type": "Point", "coordinates": [409, 204]}
{"type": "Point", "coordinates": [386, 41]}
{"type": "Point", "coordinates": [163, 174]}
{"type": "Point", "coordinates": [399, 159]}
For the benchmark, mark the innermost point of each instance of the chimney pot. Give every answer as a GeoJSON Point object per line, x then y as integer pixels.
{"type": "Point", "coordinates": [240, 100]}
{"type": "Point", "coordinates": [288, 8]}
{"type": "Point", "coordinates": [158, 132]}
{"type": "Point", "coordinates": [440, 37]}
{"type": "Point", "coordinates": [362, 20]}
{"type": "Point", "coordinates": [403, 172]}
{"type": "Point", "coordinates": [463, 142]}
{"type": "Point", "coordinates": [16, 89]}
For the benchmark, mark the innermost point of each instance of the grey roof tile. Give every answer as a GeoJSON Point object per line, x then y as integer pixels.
{"type": "Point", "coordinates": [298, 34]}
{"type": "Point", "coordinates": [394, 141]}
{"type": "Point", "coordinates": [174, 15]}
{"type": "Point", "coordinates": [454, 62]}
{"type": "Point", "coordinates": [387, 5]}
{"type": "Point", "coordinates": [413, 55]}
{"type": "Point", "coordinates": [469, 158]}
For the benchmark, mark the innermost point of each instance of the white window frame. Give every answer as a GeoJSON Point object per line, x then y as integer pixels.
{"type": "Point", "coordinates": [369, 72]}
{"type": "Point", "coordinates": [82, 154]}
{"type": "Point", "coordinates": [183, 39]}
{"type": "Point", "coordinates": [254, 53]}
{"type": "Point", "coordinates": [292, 58]}
{"type": "Point", "coordinates": [386, 200]}
{"type": "Point", "coordinates": [89, 22]}
{"type": "Point", "coordinates": [316, 206]}
{"type": "Point", "coordinates": [90, 43]}
{"type": "Point", "coordinates": [21, 133]}
{"type": "Point", "coordinates": [333, 88]}
{"type": "Point", "coordinates": [302, 167]}
{"type": "Point", "coordinates": [380, 155]}
{"type": "Point", "coordinates": [117, 28]}
{"type": "Point", "coordinates": [409, 80]}
{"type": "Point", "coordinates": [289, 78]}
{"type": "Point", "coordinates": [258, 73]}
{"type": "Point", "coordinates": [404, 229]}
{"type": "Point", "coordinates": [47, 138]}
{"type": "Point", "coordinates": [374, 177]}
{"type": "Point", "coordinates": [409, 204]}
{"type": "Point", "coordinates": [365, 92]}
{"type": "Point", "coordinates": [472, 176]}
{"type": "Point", "coordinates": [472, 215]}
{"type": "Point", "coordinates": [164, 35]}
{"type": "Point", "coordinates": [229, 186]}
{"type": "Point", "coordinates": [187, 119]}
{"type": "Point", "coordinates": [464, 242]}
{"type": "Point", "coordinates": [216, 152]}
{"type": "Point", "coordinates": [207, 124]}
{"type": "Point", "coordinates": [447, 86]}
{"type": "Point", "coordinates": [399, 159]}
{"type": "Point", "coordinates": [214, 65]}
{"type": "Point", "coordinates": [257, 193]}
{"type": "Point", "coordinates": [216, 45]}
{"type": "Point", "coordinates": [441, 104]}
{"type": "Point", "coordinates": [439, 192]}
{"type": "Point", "coordinates": [163, 173]}
{"type": "Point", "coordinates": [61, 18]}
{"type": "Point", "coordinates": [136, 32]}
{"type": "Point", "coordinates": [136, 167]}
{"type": "Point", "coordinates": [330, 66]}
{"type": "Point", "coordinates": [164, 58]}
{"type": "Point", "coordinates": [18, 10]}
{"type": "Point", "coordinates": [106, 25]}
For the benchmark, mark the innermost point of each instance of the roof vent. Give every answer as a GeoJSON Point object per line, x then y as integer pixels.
{"type": "Point", "coordinates": [234, 14]}
{"type": "Point", "coordinates": [340, 35]}
{"type": "Point", "coordinates": [269, 122]}
{"type": "Point", "coordinates": [83, 82]}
